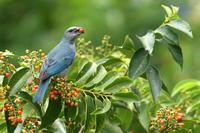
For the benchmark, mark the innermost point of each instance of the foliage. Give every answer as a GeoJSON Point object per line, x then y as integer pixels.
{"type": "Point", "coordinates": [120, 91]}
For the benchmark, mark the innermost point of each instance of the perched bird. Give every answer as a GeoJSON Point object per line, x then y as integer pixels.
{"type": "Point", "coordinates": [58, 61]}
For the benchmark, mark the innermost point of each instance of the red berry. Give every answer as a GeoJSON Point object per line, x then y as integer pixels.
{"type": "Point", "coordinates": [162, 122]}
{"type": "Point", "coordinates": [52, 97]}
{"type": "Point", "coordinates": [169, 118]}
{"type": "Point", "coordinates": [19, 119]}
{"type": "Point", "coordinates": [7, 105]}
{"type": "Point", "coordinates": [7, 75]}
{"type": "Point", "coordinates": [179, 119]}
{"type": "Point", "coordinates": [181, 114]}
{"type": "Point", "coordinates": [81, 30]}
{"type": "Point", "coordinates": [10, 118]}
{"type": "Point", "coordinates": [59, 92]}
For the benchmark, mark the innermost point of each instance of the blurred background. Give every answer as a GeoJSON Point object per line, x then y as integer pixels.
{"type": "Point", "coordinates": [35, 24]}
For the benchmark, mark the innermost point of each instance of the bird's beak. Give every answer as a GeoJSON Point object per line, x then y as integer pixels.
{"type": "Point", "coordinates": [81, 30]}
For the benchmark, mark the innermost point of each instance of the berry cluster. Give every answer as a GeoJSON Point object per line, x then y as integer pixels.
{"type": "Point", "coordinates": [6, 68]}
{"type": "Point", "coordinates": [167, 119]}
{"type": "Point", "coordinates": [70, 93]}
{"type": "Point", "coordinates": [13, 109]}
{"type": "Point", "coordinates": [32, 85]}
{"type": "Point", "coordinates": [30, 125]}
{"type": "Point", "coordinates": [33, 60]}
{"type": "Point", "coordinates": [3, 91]}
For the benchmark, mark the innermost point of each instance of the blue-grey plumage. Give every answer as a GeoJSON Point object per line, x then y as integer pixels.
{"type": "Point", "coordinates": [58, 61]}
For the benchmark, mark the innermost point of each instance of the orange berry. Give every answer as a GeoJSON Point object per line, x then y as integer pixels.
{"type": "Point", "coordinates": [11, 118]}
{"type": "Point", "coordinates": [181, 124]}
{"type": "Point", "coordinates": [19, 112]}
{"type": "Point", "coordinates": [69, 94]}
{"type": "Point", "coordinates": [19, 101]}
{"type": "Point", "coordinates": [78, 90]}
{"type": "Point", "coordinates": [72, 104]}
{"type": "Point", "coordinates": [11, 108]}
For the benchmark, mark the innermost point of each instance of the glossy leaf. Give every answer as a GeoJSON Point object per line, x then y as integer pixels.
{"type": "Point", "coordinates": [109, 61]}
{"type": "Point", "coordinates": [144, 117]}
{"type": "Point", "coordinates": [28, 98]}
{"type": "Point", "coordinates": [90, 119]}
{"type": "Point", "coordinates": [52, 112]}
{"type": "Point", "coordinates": [107, 80]}
{"type": "Point", "coordinates": [101, 109]}
{"type": "Point", "coordinates": [155, 82]}
{"type": "Point", "coordinates": [148, 41]}
{"type": "Point", "coordinates": [185, 85]}
{"type": "Point", "coordinates": [88, 70]}
{"type": "Point", "coordinates": [176, 53]}
{"type": "Point", "coordinates": [139, 63]}
{"type": "Point", "coordinates": [126, 97]}
{"type": "Point", "coordinates": [18, 80]}
{"type": "Point", "coordinates": [101, 73]}
{"type": "Point", "coordinates": [182, 26]}
{"type": "Point", "coordinates": [70, 112]}
{"type": "Point", "coordinates": [168, 35]}
{"type": "Point", "coordinates": [118, 84]}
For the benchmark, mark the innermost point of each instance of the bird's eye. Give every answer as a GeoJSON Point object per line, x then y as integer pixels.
{"type": "Point", "coordinates": [71, 30]}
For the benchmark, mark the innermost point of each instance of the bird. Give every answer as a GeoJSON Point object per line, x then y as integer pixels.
{"type": "Point", "coordinates": [58, 61]}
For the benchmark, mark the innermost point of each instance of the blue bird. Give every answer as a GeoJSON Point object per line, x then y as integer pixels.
{"type": "Point", "coordinates": [58, 61]}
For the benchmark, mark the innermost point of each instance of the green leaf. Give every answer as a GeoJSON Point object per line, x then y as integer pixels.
{"type": "Point", "coordinates": [176, 53]}
{"type": "Point", "coordinates": [109, 61]}
{"type": "Point", "coordinates": [60, 126]}
{"type": "Point", "coordinates": [101, 109]}
{"type": "Point", "coordinates": [168, 10]}
{"type": "Point", "coordinates": [138, 63]}
{"type": "Point", "coordinates": [28, 98]}
{"type": "Point", "coordinates": [126, 97]}
{"type": "Point", "coordinates": [107, 80]}
{"type": "Point", "coordinates": [52, 112]}
{"type": "Point", "coordinates": [127, 47]}
{"type": "Point", "coordinates": [168, 35]}
{"type": "Point", "coordinates": [194, 106]}
{"type": "Point", "coordinates": [75, 68]}
{"type": "Point", "coordinates": [111, 128]}
{"type": "Point", "coordinates": [90, 119]}
{"type": "Point", "coordinates": [148, 41]}
{"type": "Point", "coordinates": [70, 112]}
{"type": "Point", "coordinates": [185, 85]}
{"type": "Point", "coordinates": [100, 122]}
{"type": "Point", "coordinates": [155, 82]}
{"type": "Point", "coordinates": [18, 80]}
{"type": "Point", "coordinates": [101, 73]}
{"type": "Point", "coordinates": [118, 84]}
{"type": "Point", "coordinates": [182, 26]}
{"type": "Point", "coordinates": [88, 70]}
{"type": "Point", "coordinates": [144, 117]}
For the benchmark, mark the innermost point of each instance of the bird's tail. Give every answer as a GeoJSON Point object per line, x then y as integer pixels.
{"type": "Point", "coordinates": [38, 97]}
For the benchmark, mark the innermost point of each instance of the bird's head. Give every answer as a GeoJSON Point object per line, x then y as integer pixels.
{"type": "Point", "coordinates": [73, 32]}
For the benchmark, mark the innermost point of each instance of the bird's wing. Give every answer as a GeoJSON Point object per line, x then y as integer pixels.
{"type": "Point", "coordinates": [52, 67]}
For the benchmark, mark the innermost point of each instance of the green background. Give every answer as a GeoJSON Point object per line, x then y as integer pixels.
{"type": "Point", "coordinates": [35, 24]}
